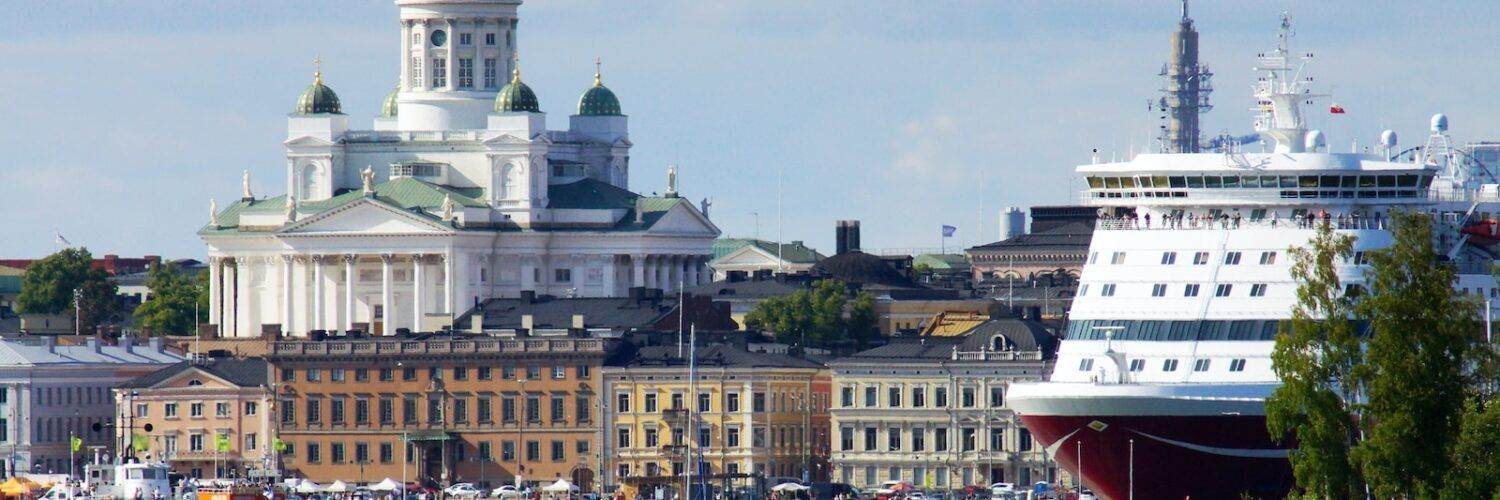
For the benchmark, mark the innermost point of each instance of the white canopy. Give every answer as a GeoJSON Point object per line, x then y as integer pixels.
{"type": "Point", "coordinates": [789, 487]}
{"type": "Point", "coordinates": [339, 487]}
{"type": "Point", "coordinates": [386, 485]}
{"type": "Point", "coordinates": [307, 486]}
{"type": "Point", "coordinates": [562, 485]}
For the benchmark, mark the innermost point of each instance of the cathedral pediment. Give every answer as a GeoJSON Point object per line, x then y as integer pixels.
{"type": "Point", "coordinates": [366, 216]}
{"type": "Point", "coordinates": [682, 218]}
{"type": "Point", "coordinates": [307, 141]}
{"type": "Point", "coordinates": [507, 139]}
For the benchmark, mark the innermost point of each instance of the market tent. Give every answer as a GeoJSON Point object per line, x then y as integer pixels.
{"type": "Point", "coordinates": [18, 485]}
{"type": "Point", "coordinates": [307, 486]}
{"type": "Point", "coordinates": [561, 486]}
{"type": "Point", "coordinates": [339, 487]}
{"type": "Point", "coordinates": [386, 485]}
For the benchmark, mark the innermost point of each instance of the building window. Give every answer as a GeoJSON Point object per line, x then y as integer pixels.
{"type": "Point", "coordinates": [1117, 258]}
{"type": "Point", "coordinates": [558, 451]}
{"type": "Point", "coordinates": [336, 375]}
{"type": "Point", "coordinates": [465, 73]}
{"type": "Point", "coordinates": [195, 442]}
{"type": "Point", "coordinates": [490, 73]}
{"type": "Point", "coordinates": [416, 71]}
{"type": "Point", "coordinates": [1168, 258]}
{"type": "Point", "coordinates": [940, 397]}
{"type": "Point", "coordinates": [489, 38]}
{"type": "Point", "coordinates": [649, 401]}
{"type": "Point", "coordinates": [1190, 290]}
{"type": "Point", "coordinates": [1169, 365]}
{"type": "Point", "coordinates": [622, 402]}
{"type": "Point", "coordinates": [732, 437]}
{"type": "Point", "coordinates": [460, 373]}
{"type": "Point", "coordinates": [439, 72]}
{"type": "Point", "coordinates": [1231, 258]}
{"type": "Point", "coordinates": [336, 410]}
{"type": "Point", "coordinates": [582, 409]}
{"type": "Point", "coordinates": [559, 412]}
{"type": "Point", "coordinates": [652, 438]}
{"type": "Point", "coordinates": [966, 397]}
{"type": "Point", "coordinates": [705, 401]}
{"type": "Point", "coordinates": [314, 375]}
{"type": "Point", "coordinates": [559, 372]}
{"type": "Point", "coordinates": [483, 373]}
{"type": "Point", "coordinates": [409, 411]}
{"type": "Point", "coordinates": [758, 402]}
{"type": "Point", "coordinates": [1083, 290]}
{"type": "Point", "coordinates": [252, 407]}
{"type": "Point", "coordinates": [893, 395]}
{"type": "Point", "coordinates": [732, 402]}
{"type": "Point", "coordinates": [622, 437]}
{"type": "Point", "coordinates": [336, 452]}
{"type": "Point", "coordinates": [221, 410]}
{"type": "Point", "coordinates": [288, 375]}
{"type": "Point", "coordinates": [507, 409]}
{"type": "Point", "coordinates": [533, 372]}
{"type": "Point", "coordinates": [460, 409]}
{"type": "Point", "coordinates": [362, 411]}
{"type": "Point", "coordinates": [846, 397]}
{"type": "Point", "coordinates": [918, 397]}
{"type": "Point", "coordinates": [1200, 258]}
{"type": "Point", "coordinates": [1258, 290]}
{"type": "Point", "coordinates": [562, 275]}
{"type": "Point", "coordinates": [1223, 290]}
{"type": "Point", "coordinates": [533, 408]}
{"type": "Point", "coordinates": [534, 451]}
{"type": "Point", "coordinates": [1237, 365]}
{"type": "Point", "coordinates": [1108, 290]}
{"type": "Point", "coordinates": [1159, 290]}
{"type": "Point", "coordinates": [1137, 365]}
{"type": "Point", "coordinates": [893, 440]}
{"type": "Point", "coordinates": [508, 372]}
{"type": "Point", "coordinates": [195, 410]}
{"type": "Point", "coordinates": [361, 453]}
{"type": "Point", "coordinates": [387, 411]}
{"type": "Point", "coordinates": [967, 439]}
{"type": "Point", "coordinates": [387, 453]}
{"type": "Point", "coordinates": [465, 38]}
{"type": "Point", "coordinates": [869, 439]}
{"type": "Point", "coordinates": [408, 374]}
{"type": "Point", "coordinates": [583, 372]}
{"type": "Point", "coordinates": [940, 439]}
{"type": "Point", "coordinates": [1086, 364]}
{"type": "Point", "coordinates": [918, 440]}
{"type": "Point", "coordinates": [1200, 365]}
{"type": "Point", "coordinates": [251, 442]}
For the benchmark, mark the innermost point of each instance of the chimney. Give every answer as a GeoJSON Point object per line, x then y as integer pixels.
{"type": "Point", "coordinates": [92, 343]}
{"type": "Point", "coordinates": [847, 235]}
{"type": "Point", "coordinates": [578, 321]}
{"type": "Point", "coordinates": [528, 296]}
{"type": "Point", "coordinates": [155, 344]}
{"type": "Point", "coordinates": [129, 342]}
{"type": "Point", "coordinates": [476, 323]}
{"type": "Point", "coordinates": [527, 321]}
{"type": "Point", "coordinates": [840, 237]}
{"type": "Point", "coordinates": [51, 343]}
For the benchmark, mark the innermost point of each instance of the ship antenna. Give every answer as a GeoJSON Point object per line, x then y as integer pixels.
{"type": "Point", "coordinates": [1184, 10]}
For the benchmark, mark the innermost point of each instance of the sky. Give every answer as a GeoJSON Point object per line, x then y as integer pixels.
{"type": "Point", "coordinates": [120, 120]}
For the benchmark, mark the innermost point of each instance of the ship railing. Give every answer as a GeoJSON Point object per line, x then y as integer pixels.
{"type": "Point", "coordinates": [1344, 222]}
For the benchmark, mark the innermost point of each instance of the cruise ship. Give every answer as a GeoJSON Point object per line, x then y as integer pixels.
{"type": "Point", "coordinates": [1159, 386]}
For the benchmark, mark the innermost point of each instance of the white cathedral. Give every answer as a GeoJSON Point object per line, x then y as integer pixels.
{"type": "Point", "coordinates": [459, 193]}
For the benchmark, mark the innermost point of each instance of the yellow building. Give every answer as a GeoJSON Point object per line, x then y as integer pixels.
{"type": "Point", "coordinates": [747, 412]}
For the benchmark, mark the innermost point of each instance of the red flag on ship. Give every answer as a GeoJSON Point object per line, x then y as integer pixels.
{"type": "Point", "coordinates": [1336, 109]}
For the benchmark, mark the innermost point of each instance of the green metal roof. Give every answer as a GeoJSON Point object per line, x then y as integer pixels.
{"type": "Point", "coordinates": [318, 99]}
{"type": "Point", "coordinates": [794, 252]}
{"type": "Point", "coordinates": [388, 107]}
{"type": "Point", "coordinates": [598, 101]}
{"type": "Point", "coordinates": [941, 261]}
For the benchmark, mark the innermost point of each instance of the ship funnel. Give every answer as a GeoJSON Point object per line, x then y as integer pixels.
{"type": "Point", "coordinates": [1315, 141]}
{"type": "Point", "coordinates": [1439, 123]}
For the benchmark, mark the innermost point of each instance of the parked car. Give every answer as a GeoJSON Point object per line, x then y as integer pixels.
{"type": "Point", "coordinates": [463, 490]}
{"type": "Point", "coordinates": [505, 491]}
{"type": "Point", "coordinates": [1002, 491]}
{"type": "Point", "coordinates": [1086, 494]}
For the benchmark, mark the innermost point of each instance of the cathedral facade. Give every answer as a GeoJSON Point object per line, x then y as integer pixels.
{"type": "Point", "coordinates": [459, 192]}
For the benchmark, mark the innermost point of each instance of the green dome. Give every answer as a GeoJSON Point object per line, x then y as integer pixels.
{"type": "Point", "coordinates": [598, 100]}
{"type": "Point", "coordinates": [388, 106]}
{"type": "Point", "coordinates": [516, 96]}
{"type": "Point", "coordinates": [318, 99]}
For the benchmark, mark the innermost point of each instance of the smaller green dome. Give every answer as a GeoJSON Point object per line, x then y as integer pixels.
{"type": "Point", "coordinates": [388, 106]}
{"type": "Point", "coordinates": [598, 101]}
{"type": "Point", "coordinates": [516, 96]}
{"type": "Point", "coordinates": [318, 99]}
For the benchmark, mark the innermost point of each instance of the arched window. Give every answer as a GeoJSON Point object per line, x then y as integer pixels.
{"type": "Point", "coordinates": [1002, 344]}
{"type": "Point", "coordinates": [310, 182]}
{"type": "Point", "coordinates": [510, 182]}
{"type": "Point", "coordinates": [194, 383]}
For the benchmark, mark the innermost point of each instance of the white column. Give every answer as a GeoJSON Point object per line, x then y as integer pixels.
{"type": "Point", "coordinates": [230, 309]}
{"type": "Point", "coordinates": [286, 295]}
{"type": "Point", "coordinates": [387, 297]}
{"type": "Point", "coordinates": [214, 287]}
{"type": "Point", "coordinates": [638, 270]}
{"type": "Point", "coordinates": [416, 292]}
{"type": "Point", "coordinates": [319, 322]}
{"type": "Point", "coordinates": [452, 70]}
{"type": "Point", "coordinates": [527, 266]}
{"type": "Point", "coordinates": [463, 271]}
{"type": "Point", "coordinates": [609, 275]}
{"type": "Point", "coordinates": [349, 260]}
{"type": "Point", "coordinates": [661, 272]}
{"type": "Point", "coordinates": [405, 54]}
{"type": "Point", "coordinates": [244, 320]}
{"type": "Point", "coordinates": [692, 270]}
{"type": "Point", "coordinates": [448, 283]}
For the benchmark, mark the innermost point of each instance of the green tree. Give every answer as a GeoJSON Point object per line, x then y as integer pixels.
{"type": "Point", "coordinates": [821, 316]}
{"type": "Point", "coordinates": [1316, 356]}
{"type": "Point", "coordinates": [49, 286]}
{"type": "Point", "coordinates": [1425, 345]}
{"type": "Point", "coordinates": [1476, 465]}
{"type": "Point", "coordinates": [176, 298]}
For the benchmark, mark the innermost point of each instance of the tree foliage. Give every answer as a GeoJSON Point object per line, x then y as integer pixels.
{"type": "Point", "coordinates": [1316, 358]}
{"type": "Point", "coordinates": [1426, 342]}
{"type": "Point", "coordinates": [176, 298]}
{"type": "Point", "coordinates": [822, 316]}
{"type": "Point", "coordinates": [1476, 464]}
{"type": "Point", "coordinates": [48, 287]}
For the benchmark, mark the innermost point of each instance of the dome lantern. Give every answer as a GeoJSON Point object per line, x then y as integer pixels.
{"type": "Point", "coordinates": [318, 98]}
{"type": "Point", "coordinates": [516, 96]}
{"type": "Point", "coordinates": [388, 107]}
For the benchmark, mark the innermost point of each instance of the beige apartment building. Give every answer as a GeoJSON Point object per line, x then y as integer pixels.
{"type": "Point", "coordinates": [207, 418]}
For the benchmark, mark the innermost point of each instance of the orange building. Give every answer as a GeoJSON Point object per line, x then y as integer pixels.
{"type": "Point", "coordinates": [207, 419]}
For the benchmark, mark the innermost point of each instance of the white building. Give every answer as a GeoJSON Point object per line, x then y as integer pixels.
{"type": "Point", "coordinates": [460, 192]}
{"type": "Point", "coordinates": [50, 392]}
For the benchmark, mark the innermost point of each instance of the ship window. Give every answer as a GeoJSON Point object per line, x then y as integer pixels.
{"type": "Point", "coordinates": [1387, 181]}
{"type": "Point", "coordinates": [1307, 181]}
{"type": "Point", "coordinates": [1330, 181]}
{"type": "Point", "coordinates": [1232, 258]}
{"type": "Point", "coordinates": [1200, 365]}
{"type": "Point", "coordinates": [1145, 182]}
{"type": "Point", "coordinates": [1258, 214]}
{"type": "Point", "coordinates": [1159, 290]}
{"type": "Point", "coordinates": [1177, 181]}
{"type": "Point", "coordinates": [1083, 290]}
{"type": "Point", "coordinates": [1426, 181]}
{"type": "Point", "coordinates": [1096, 182]}
{"type": "Point", "coordinates": [1268, 181]}
{"type": "Point", "coordinates": [1127, 182]}
{"type": "Point", "coordinates": [1212, 181]}
{"type": "Point", "coordinates": [1086, 364]}
{"type": "Point", "coordinates": [1108, 290]}
{"type": "Point", "coordinates": [1267, 258]}
{"type": "Point", "coordinates": [1200, 258]}
{"type": "Point", "coordinates": [1117, 258]}
{"type": "Point", "coordinates": [1168, 258]}
{"type": "Point", "coordinates": [1190, 290]}
{"type": "Point", "coordinates": [1406, 180]}
{"type": "Point", "coordinates": [1194, 181]}
{"type": "Point", "coordinates": [1160, 181]}
{"type": "Point", "coordinates": [1137, 365]}
{"type": "Point", "coordinates": [1242, 330]}
{"type": "Point", "coordinates": [1236, 365]}
{"type": "Point", "coordinates": [1366, 181]}
{"type": "Point", "coordinates": [1169, 365]}
{"type": "Point", "coordinates": [1288, 181]}
{"type": "Point", "coordinates": [1223, 290]}
{"type": "Point", "coordinates": [1231, 181]}
{"type": "Point", "coordinates": [1093, 257]}
{"type": "Point", "coordinates": [1346, 194]}
{"type": "Point", "coordinates": [1112, 182]}
{"type": "Point", "coordinates": [1349, 181]}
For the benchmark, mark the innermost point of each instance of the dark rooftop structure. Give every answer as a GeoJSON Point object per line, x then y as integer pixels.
{"type": "Point", "coordinates": [644, 309]}
{"type": "Point", "coordinates": [250, 372]}
{"type": "Point", "coordinates": [712, 356]}
{"type": "Point", "coordinates": [995, 339]}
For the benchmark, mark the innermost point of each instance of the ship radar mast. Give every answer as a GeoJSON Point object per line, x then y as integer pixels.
{"type": "Point", "coordinates": [1280, 92]}
{"type": "Point", "coordinates": [1186, 85]}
